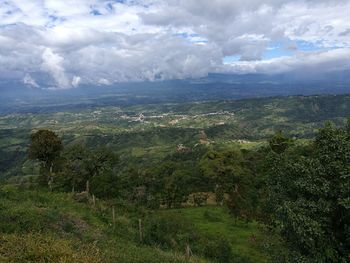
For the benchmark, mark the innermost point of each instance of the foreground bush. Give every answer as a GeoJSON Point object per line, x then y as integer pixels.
{"type": "Point", "coordinates": [169, 231]}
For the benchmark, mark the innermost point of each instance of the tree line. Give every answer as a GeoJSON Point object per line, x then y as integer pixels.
{"type": "Point", "coordinates": [300, 190]}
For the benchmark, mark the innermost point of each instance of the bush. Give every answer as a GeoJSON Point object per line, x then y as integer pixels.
{"type": "Point", "coordinates": [200, 199]}
{"type": "Point", "coordinates": [218, 249]}
{"type": "Point", "coordinates": [169, 231]}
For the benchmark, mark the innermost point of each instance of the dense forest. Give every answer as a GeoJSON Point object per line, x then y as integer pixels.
{"type": "Point", "coordinates": [207, 193]}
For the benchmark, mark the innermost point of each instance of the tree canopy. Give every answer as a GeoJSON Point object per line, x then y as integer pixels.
{"type": "Point", "coordinates": [310, 198]}
{"type": "Point", "coordinates": [45, 146]}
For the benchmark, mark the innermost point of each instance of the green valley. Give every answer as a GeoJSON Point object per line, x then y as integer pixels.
{"type": "Point", "coordinates": [169, 182]}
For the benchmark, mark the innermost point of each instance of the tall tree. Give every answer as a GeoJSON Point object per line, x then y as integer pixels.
{"type": "Point", "coordinates": [81, 164]}
{"type": "Point", "coordinates": [173, 183]}
{"type": "Point", "coordinates": [279, 142]}
{"type": "Point", "coordinates": [229, 177]}
{"type": "Point", "coordinates": [309, 198]}
{"type": "Point", "coordinates": [45, 146]}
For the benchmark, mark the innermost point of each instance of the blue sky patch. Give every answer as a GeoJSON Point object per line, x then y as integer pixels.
{"type": "Point", "coordinates": [230, 59]}
{"type": "Point", "coordinates": [95, 12]}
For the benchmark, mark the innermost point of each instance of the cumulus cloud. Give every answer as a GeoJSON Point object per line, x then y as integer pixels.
{"type": "Point", "coordinates": [76, 80]}
{"type": "Point", "coordinates": [68, 43]}
{"type": "Point", "coordinates": [302, 63]}
{"type": "Point", "coordinates": [53, 64]}
{"type": "Point", "coordinates": [28, 80]}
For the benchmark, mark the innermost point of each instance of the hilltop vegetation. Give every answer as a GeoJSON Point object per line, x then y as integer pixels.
{"type": "Point", "coordinates": [144, 132]}
{"type": "Point", "coordinates": [193, 182]}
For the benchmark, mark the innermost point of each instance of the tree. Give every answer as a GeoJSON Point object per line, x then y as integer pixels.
{"type": "Point", "coordinates": [45, 146]}
{"type": "Point", "coordinates": [229, 176]}
{"type": "Point", "coordinates": [309, 198]}
{"type": "Point", "coordinates": [279, 143]}
{"type": "Point", "coordinates": [172, 183]}
{"type": "Point", "coordinates": [74, 173]}
{"type": "Point", "coordinates": [81, 164]}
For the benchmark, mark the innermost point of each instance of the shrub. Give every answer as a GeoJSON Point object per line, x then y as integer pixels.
{"type": "Point", "coordinates": [169, 231]}
{"type": "Point", "coordinates": [218, 249]}
{"type": "Point", "coordinates": [200, 199]}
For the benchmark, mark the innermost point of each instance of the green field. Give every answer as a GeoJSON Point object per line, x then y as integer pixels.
{"type": "Point", "coordinates": [39, 226]}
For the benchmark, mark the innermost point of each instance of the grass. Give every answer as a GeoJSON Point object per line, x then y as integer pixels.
{"type": "Point", "coordinates": [45, 248]}
{"type": "Point", "coordinates": [213, 221]}
{"type": "Point", "coordinates": [39, 226]}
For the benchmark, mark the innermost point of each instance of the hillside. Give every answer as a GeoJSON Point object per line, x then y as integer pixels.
{"type": "Point", "coordinates": [39, 226]}
{"type": "Point", "coordinates": [195, 182]}
{"type": "Point", "coordinates": [145, 132]}
{"type": "Point", "coordinates": [174, 131]}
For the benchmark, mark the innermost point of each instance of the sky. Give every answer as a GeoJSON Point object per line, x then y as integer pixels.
{"type": "Point", "coordinates": [62, 44]}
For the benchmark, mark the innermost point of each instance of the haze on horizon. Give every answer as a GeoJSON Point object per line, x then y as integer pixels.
{"type": "Point", "coordinates": [65, 44]}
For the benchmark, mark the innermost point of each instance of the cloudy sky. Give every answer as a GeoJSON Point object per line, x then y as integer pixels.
{"type": "Point", "coordinates": [64, 44]}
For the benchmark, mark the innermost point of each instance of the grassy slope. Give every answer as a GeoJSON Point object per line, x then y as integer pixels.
{"type": "Point", "coordinates": [216, 221]}
{"type": "Point", "coordinates": [38, 226]}
{"type": "Point", "coordinates": [50, 227]}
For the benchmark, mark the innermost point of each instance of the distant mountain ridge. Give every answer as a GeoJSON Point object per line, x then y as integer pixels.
{"type": "Point", "coordinates": [17, 97]}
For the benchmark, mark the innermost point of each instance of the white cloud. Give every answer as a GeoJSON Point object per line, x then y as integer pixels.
{"type": "Point", "coordinates": [302, 63]}
{"type": "Point", "coordinates": [68, 43]}
{"type": "Point", "coordinates": [104, 82]}
{"type": "Point", "coordinates": [28, 80]}
{"type": "Point", "coordinates": [75, 81]}
{"type": "Point", "coordinates": [53, 64]}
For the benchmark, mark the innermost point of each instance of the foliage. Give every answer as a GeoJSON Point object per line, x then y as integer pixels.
{"type": "Point", "coordinates": [200, 199]}
{"type": "Point", "coordinates": [216, 229]}
{"type": "Point", "coordinates": [80, 164]}
{"type": "Point", "coordinates": [279, 143]}
{"type": "Point", "coordinates": [174, 183]}
{"type": "Point", "coordinates": [307, 183]}
{"type": "Point", "coordinates": [114, 126]}
{"type": "Point", "coordinates": [219, 250]}
{"type": "Point", "coordinates": [309, 198]}
{"type": "Point", "coordinates": [169, 231]}
{"type": "Point", "coordinates": [229, 176]}
{"type": "Point", "coordinates": [45, 146]}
